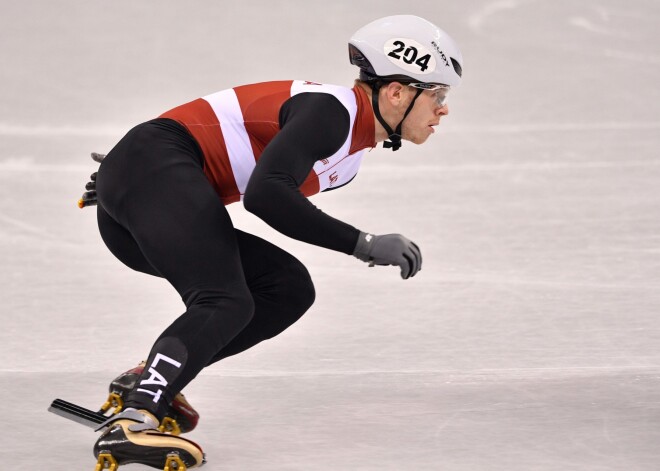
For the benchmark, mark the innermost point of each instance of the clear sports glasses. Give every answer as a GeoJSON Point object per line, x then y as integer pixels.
{"type": "Point", "coordinates": [438, 90]}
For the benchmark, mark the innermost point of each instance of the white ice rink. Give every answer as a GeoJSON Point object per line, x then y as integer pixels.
{"type": "Point", "coordinates": [530, 341]}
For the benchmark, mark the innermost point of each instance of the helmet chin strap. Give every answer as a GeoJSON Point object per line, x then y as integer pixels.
{"type": "Point", "coordinates": [394, 136]}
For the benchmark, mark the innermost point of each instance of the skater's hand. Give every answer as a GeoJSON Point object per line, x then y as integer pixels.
{"type": "Point", "coordinates": [89, 197]}
{"type": "Point", "coordinates": [389, 249]}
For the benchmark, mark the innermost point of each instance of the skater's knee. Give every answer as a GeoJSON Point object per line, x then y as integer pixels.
{"type": "Point", "coordinates": [244, 305]}
{"type": "Point", "coordinates": [299, 292]}
{"type": "Point", "coordinates": [235, 303]}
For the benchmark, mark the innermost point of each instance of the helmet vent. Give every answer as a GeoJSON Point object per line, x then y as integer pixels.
{"type": "Point", "coordinates": [357, 58]}
{"type": "Point", "coordinates": [457, 67]}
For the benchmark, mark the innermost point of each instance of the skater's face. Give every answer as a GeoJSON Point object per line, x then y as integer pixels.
{"type": "Point", "coordinates": [429, 108]}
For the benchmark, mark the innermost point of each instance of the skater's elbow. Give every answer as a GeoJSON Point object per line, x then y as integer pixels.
{"type": "Point", "coordinates": [255, 200]}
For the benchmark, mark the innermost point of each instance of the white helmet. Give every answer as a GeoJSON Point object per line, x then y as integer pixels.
{"type": "Point", "coordinates": [406, 48]}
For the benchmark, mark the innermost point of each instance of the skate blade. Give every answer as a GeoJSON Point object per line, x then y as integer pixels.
{"type": "Point", "coordinates": [76, 413]}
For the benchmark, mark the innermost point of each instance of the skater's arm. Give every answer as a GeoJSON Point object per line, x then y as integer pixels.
{"type": "Point", "coordinates": [313, 126]}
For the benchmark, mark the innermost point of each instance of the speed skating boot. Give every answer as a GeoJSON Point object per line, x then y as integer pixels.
{"type": "Point", "coordinates": [132, 436]}
{"type": "Point", "coordinates": [181, 417]}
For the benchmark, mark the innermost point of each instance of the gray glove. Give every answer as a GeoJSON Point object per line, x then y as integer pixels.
{"type": "Point", "coordinates": [389, 249]}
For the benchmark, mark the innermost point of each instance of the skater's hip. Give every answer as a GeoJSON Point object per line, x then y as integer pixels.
{"type": "Point", "coordinates": [155, 154]}
{"type": "Point", "coordinates": [159, 138]}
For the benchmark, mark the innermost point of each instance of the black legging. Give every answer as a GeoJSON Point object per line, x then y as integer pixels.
{"type": "Point", "coordinates": [159, 215]}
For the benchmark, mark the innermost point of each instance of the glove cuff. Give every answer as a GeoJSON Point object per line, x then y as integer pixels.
{"type": "Point", "coordinates": [363, 246]}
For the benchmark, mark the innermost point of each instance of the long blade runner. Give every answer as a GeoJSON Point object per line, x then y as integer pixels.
{"type": "Point", "coordinates": [77, 413]}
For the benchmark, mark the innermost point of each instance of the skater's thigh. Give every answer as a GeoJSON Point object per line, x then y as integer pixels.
{"type": "Point", "coordinates": [154, 185]}
{"type": "Point", "coordinates": [185, 232]}
{"type": "Point", "coordinates": [121, 243]}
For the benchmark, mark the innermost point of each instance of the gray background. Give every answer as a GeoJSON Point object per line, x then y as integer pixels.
{"type": "Point", "coordinates": [528, 342]}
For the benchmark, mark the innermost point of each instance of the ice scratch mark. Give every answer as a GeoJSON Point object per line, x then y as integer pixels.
{"type": "Point", "coordinates": [44, 130]}
{"type": "Point", "coordinates": [443, 425]}
{"type": "Point", "coordinates": [589, 26]}
{"type": "Point", "coordinates": [477, 20]}
{"type": "Point", "coordinates": [554, 127]}
{"type": "Point", "coordinates": [30, 230]}
{"type": "Point", "coordinates": [646, 59]}
{"type": "Point", "coordinates": [28, 164]}
{"type": "Point", "coordinates": [585, 24]}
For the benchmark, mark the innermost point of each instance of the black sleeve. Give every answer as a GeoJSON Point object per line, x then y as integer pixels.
{"type": "Point", "coordinates": [313, 126]}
